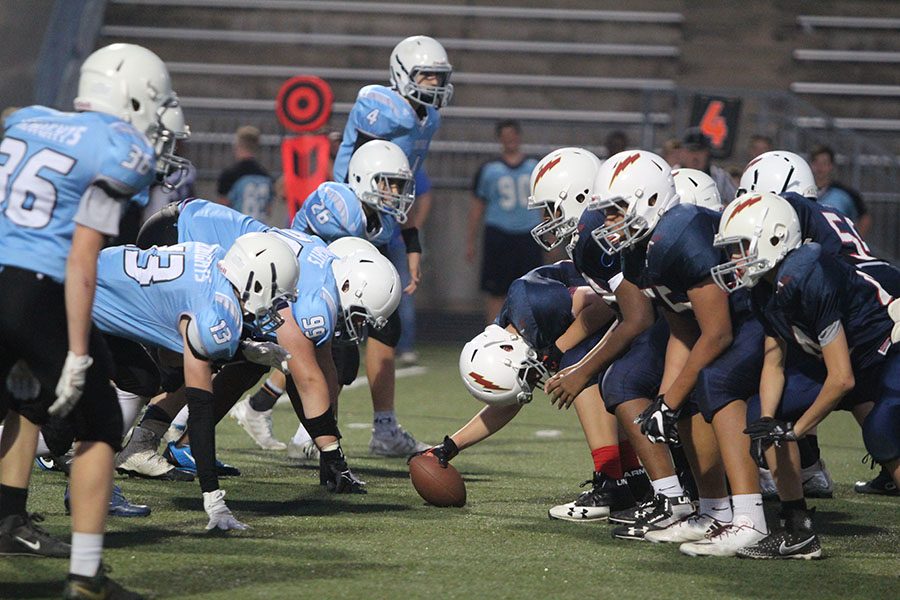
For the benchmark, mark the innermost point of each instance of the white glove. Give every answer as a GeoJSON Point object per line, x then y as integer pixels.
{"type": "Point", "coordinates": [220, 516]}
{"type": "Point", "coordinates": [268, 354]}
{"type": "Point", "coordinates": [71, 384]}
{"type": "Point", "coordinates": [21, 383]}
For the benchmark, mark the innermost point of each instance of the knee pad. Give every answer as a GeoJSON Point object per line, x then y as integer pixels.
{"type": "Point", "coordinates": [324, 424]}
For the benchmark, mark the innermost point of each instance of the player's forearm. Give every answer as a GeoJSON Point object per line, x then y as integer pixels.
{"type": "Point", "coordinates": [836, 386]}
{"type": "Point", "coordinates": [771, 387]}
{"type": "Point", "coordinates": [81, 282]}
{"type": "Point", "coordinates": [421, 208]}
{"type": "Point", "coordinates": [487, 422]}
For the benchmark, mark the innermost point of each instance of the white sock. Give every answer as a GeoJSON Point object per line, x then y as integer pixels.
{"type": "Point", "coordinates": [87, 549]}
{"type": "Point", "coordinates": [131, 405]}
{"type": "Point", "coordinates": [301, 436]}
{"type": "Point", "coordinates": [181, 418]}
{"type": "Point", "coordinates": [717, 508]}
{"type": "Point", "coordinates": [668, 486]}
{"type": "Point", "coordinates": [751, 506]}
{"type": "Point", "coordinates": [385, 422]}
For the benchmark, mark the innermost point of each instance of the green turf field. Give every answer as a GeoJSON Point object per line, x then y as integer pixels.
{"type": "Point", "coordinates": [307, 543]}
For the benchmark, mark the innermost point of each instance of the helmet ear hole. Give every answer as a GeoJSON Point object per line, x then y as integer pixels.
{"type": "Point", "coordinates": [580, 198]}
{"type": "Point", "coordinates": [257, 287]}
{"type": "Point", "coordinates": [774, 240]}
{"type": "Point", "coordinates": [135, 105]}
{"type": "Point", "coordinates": [652, 201]}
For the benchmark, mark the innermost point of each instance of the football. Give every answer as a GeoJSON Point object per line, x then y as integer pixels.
{"type": "Point", "coordinates": [437, 485]}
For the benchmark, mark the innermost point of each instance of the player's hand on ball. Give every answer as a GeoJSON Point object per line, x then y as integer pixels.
{"type": "Point", "coordinates": [220, 516]}
{"type": "Point", "coordinates": [659, 422]}
{"type": "Point", "coordinates": [71, 384]}
{"type": "Point", "coordinates": [444, 452]}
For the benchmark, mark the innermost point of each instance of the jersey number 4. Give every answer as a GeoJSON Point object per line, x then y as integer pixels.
{"type": "Point", "coordinates": [29, 197]}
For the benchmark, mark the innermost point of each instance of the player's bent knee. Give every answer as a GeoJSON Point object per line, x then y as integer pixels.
{"type": "Point", "coordinates": [324, 424]}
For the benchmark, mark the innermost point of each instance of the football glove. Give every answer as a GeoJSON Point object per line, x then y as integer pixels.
{"type": "Point", "coordinates": [766, 432]}
{"type": "Point", "coordinates": [659, 422]}
{"type": "Point", "coordinates": [337, 476]}
{"type": "Point", "coordinates": [71, 384]}
{"type": "Point", "coordinates": [268, 354]}
{"type": "Point", "coordinates": [220, 516]}
{"type": "Point", "coordinates": [444, 452]}
{"type": "Point", "coordinates": [551, 358]}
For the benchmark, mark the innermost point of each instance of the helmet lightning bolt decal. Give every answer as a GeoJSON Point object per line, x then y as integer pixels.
{"type": "Point", "coordinates": [624, 165]}
{"type": "Point", "coordinates": [486, 383]}
{"type": "Point", "coordinates": [745, 204]}
{"type": "Point", "coordinates": [546, 168]}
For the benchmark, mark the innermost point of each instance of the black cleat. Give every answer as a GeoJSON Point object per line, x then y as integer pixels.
{"type": "Point", "coordinates": [336, 476]}
{"type": "Point", "coordinates": [97, 587]}
{"type": "Point", "coordinates": [607, 494]}
{"type": "Point", "coordinates": [658, 513]}
{"type": "Point", "coordinates": [639, 484]}
{"type": "Point", "coordinates": [883, 485]}
{"type": "Point", "coordinates": [20, 536]}
{"type": "Point", "coordinates": [797, 540]}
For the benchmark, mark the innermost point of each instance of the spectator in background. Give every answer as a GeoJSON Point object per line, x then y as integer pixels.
{"type": "Point", "coordinates": [617, 141]}
{"type": "Point", "coordinates": [500, 198]}
{"type": "Point", "coordinates": [671, 152]}
{"type": "Point", "coordinates": [246, 186]}
{"type": "Point", "coordinates": [759, 144]}
{"type": "Point", "coordinates": [696, 155]}
{"type": "Point", "coordinates": [836, 195]}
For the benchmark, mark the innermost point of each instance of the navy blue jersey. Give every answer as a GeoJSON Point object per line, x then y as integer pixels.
{"type": "Point", "coordinates": [814, 293]}
{"type": "Point", "coordinates": [677, 257]}
{"type": "Point", "coordinates": [831, 230]}
{"type": "Point", "coordinates": [539, 304]}
{"type": "Point", "coordinates": [600, 270]}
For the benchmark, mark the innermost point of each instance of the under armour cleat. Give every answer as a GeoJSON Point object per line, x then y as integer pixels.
{"type": "Point", "coordinates": [595, 504]}
{"type": "Point", "coordinates": [21, 536]}
{"type": "Point", "coordinates": [883, 485]}
{"type": "Point", "coordinates": [181, 458]}
{"type": "Point", "coordinates": [659, 513]}
{"type": "Point", "coordinates": [692, 529]}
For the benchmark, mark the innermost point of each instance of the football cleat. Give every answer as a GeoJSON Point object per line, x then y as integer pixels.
{"type": "Point", "coordinates": [139, 458]}
{"type": "Point", "coordinates": [119, 506]}
{"type": "Point", "coordinates": [659, 513]}
{"type": "Point", "coordinates": [817, 481]}
{"type": "Point", "coordinates": [45, 463]}
{"type": "Point", "coordinates": [96, 587]}
{"type": "Point", "coordinates": [725, 540]}
{"type": "Point", "coordinates": [595, 504]}
{"type": "Point", "coordinates": [307, 451]}
{"type": "Point", "coordinates": [337, 477]}
{"type": "Point", "coordinates": [883, 484]}
{"type": "Point", "coordinates": [797, 540]}
{"type": "Point", "coordinates": [639, 484]}
{"type": "Point", "coordinates": [181, 458]}
{"type": "Point", "coordinates": [258, 425]}
{"type": "Point", "coordinates": [399, 443]}
{"type": "Point", "coordinates": [691, 529]}
{"type": "Point", "coordinates": [21, 536]}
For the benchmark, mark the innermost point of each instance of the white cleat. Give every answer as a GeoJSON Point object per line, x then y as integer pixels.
{"type": "Point", "coordinates": [257, 424]}
{"type": "Point", "coordinates": [305, 452]}
{"type": "Point", "coordinates": [725, 540]}
{"type": "Point", "coordinates": [399, 443]}
{"type": "Point", "coordinates": [817, 481]}
{"type": "Point", "coordinates": [140, 459]}
{"type": "Point", "coordinates": [692, 529]}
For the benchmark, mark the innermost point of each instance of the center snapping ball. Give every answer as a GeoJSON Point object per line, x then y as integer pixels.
{"type": "Point", "coordinates": [437, 485]}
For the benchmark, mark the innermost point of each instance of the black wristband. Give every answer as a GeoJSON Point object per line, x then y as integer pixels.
{"type": "Point", "coordinates": [411, 239]}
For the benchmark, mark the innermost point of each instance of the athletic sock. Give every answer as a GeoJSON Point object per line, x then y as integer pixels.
{"type": "Point", "coordinates": [668, 486]}
{"type": "Point", "coordinates": [87, 549]}
{"type": "Point", "coordinates": [606, 461]}
{"type": "Point", "coordinates": [750, 505]}
{"type": "Point", "coordinates": [717, 508]}
{"type": "Point", "coordinates": [265, 397]}
{"type": "Point", "coordinates": [628, 456]}
{"type": "Point", "coordinates": [385, 422]}
{"type": "Point", "coordinates": [12, 501]}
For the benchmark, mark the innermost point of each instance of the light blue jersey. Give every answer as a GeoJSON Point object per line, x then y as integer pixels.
{"type": "Point", "coordinates": [316, 307]}
{"type": "Point", "coordinates": [49, 160]}
{"type": "Point", "coordinates": [331, 212]}
{"type": "Point", "coordinates": [142, 295]}
{"type": "Point", "coordinates": [504, 189]}
{"type": "Point", "coordinates": [380, 112]}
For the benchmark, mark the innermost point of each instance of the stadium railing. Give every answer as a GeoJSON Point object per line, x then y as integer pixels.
{"type": "Point", "coordinates": [809, 22]}
{"type": "Point", "coordinates": [845, 89]}
{"type": "Point", "coordinates": [855, 56]}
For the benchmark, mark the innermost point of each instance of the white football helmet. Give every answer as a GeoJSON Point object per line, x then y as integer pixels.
{"type": "Point", "coordinates": [167, 132]}
{"type": "Point", "coordinates": [696, 187]}
{"type": "Point", "coordinates": [368, 286]}
{"type": "Point", "coordinates": [419, 55]}
{"type": "Point", "coordinates": [778, 172]}
{"type": "Point", "coordinates": [499, 368]}
{"type": "Point", "coordinates": [561, 187]}
{"type": "Point", "coordinates": [264, 271]}
{"type": "Point", "coordinates": [380, 176]}
{"type": "Point", "coordinates": [757, 230]}
{"type": "Point", "coordinates": [127, 81]}
{"type": "Point", "coordinates": [637, 186]}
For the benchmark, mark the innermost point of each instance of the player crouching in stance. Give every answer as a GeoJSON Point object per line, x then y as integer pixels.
{"type": "Point", "coordinates": [549, 320]}
{"type": "Point", "coordinates": [192, 301]}
{"type": "Point", "coordinates": [816, 303]}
